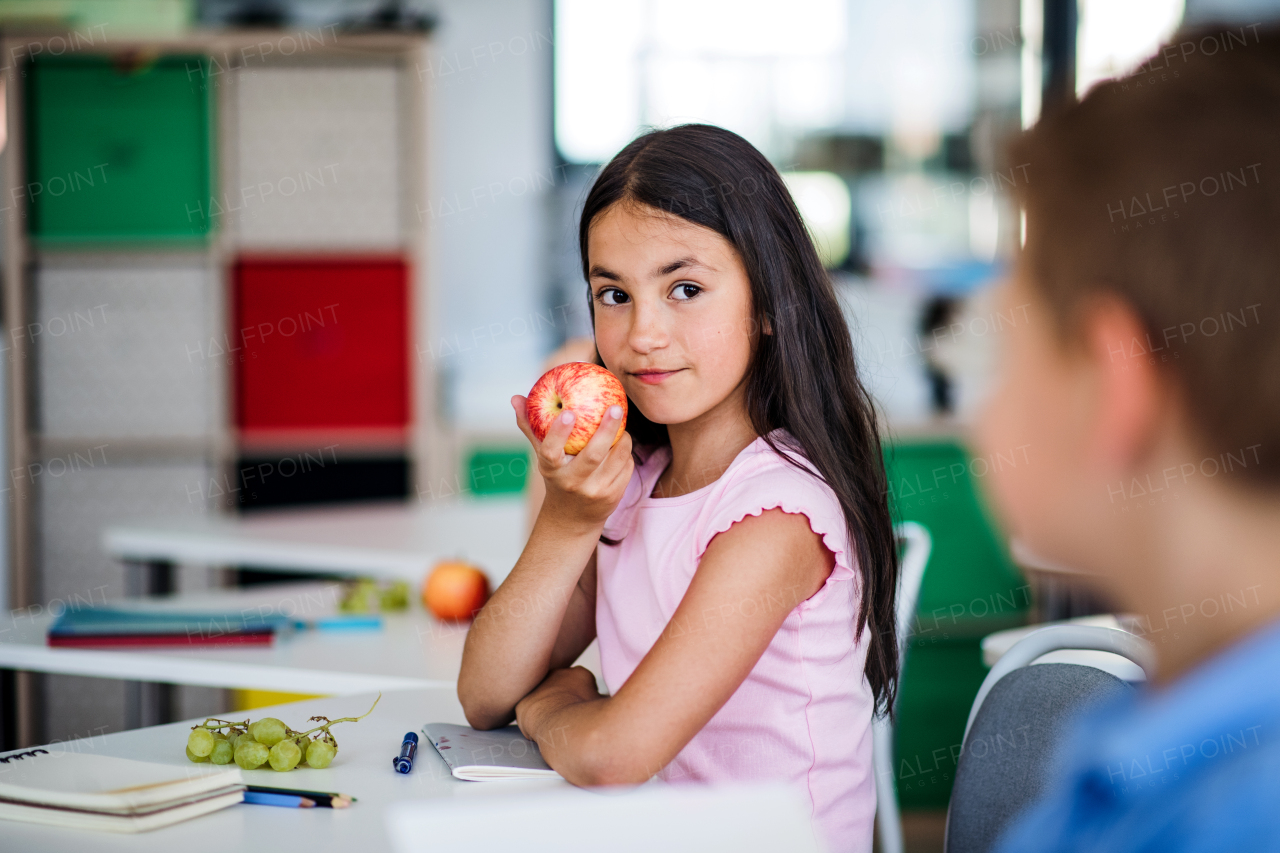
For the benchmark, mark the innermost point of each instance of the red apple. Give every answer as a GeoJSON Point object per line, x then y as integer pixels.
{"type": "Point", "coordinates": [455, 590]}
{"type": "Point", "coordinates": [586, 389]}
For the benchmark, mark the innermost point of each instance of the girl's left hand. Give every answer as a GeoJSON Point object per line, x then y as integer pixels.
{"type": "Point", "coordinates": [562, 687]}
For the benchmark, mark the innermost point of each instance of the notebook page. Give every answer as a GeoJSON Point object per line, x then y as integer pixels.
{"type": "Point", "coordinates": [481, 756]}
{"type": "Point", "coordinates": [104, 783]}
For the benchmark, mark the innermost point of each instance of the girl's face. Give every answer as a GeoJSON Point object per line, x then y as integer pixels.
{"type": "Point", "coordinates": [673, 316]}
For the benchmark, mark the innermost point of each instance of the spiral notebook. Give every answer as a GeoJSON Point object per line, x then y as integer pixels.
{"type": "Point", "coordinates": [476, 756]}
{"type": "Point", "coordinates": [100, 792]}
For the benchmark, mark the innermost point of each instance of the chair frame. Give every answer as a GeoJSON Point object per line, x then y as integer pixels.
{"type": "Point", "coordinates": [910, 577]}
{"type": "Point", "coordinates": [1052, 638]}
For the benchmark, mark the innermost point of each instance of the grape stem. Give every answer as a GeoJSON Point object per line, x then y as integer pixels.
{"type": "Point", "coordinates": [218, 723]}
{"type": "Point", "coordinates": [222, 724]}
{"type": "Point", "coordinates": [328, 722]}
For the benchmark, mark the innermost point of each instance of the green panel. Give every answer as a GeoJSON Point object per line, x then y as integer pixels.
{"type": "Point", "coordinates": [971, 588]}
{"type": "Point", "coordinates": [117, 154]}
{"type": "Point", "coordinates": [939, 684]}
{"type": "Point", "coordinates": [497, 470]}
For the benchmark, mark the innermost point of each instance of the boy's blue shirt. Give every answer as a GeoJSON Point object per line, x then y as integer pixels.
{"type": "Point", "coordinates": [1192, 767]}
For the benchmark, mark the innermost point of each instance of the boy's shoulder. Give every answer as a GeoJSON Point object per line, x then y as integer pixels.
{"type": "Point", "coordinates": [1189, 768]}
{"type": "Point", "coordinates": [1232, 806]}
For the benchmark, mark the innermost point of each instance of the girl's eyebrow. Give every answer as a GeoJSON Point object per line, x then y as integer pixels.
{"type": "Point", "coordinates": [600, 272]}
{"type": "Point", "coordinates": [688, 262]}
{"type": "Point", "coordinates": [682, 263]}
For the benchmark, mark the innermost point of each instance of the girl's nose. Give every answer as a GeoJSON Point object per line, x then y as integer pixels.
{"type": "Point", "coordinates": [648, 328]}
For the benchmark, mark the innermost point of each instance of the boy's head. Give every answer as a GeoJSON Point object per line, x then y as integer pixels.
{"type": "Point", "coordinates": [1146, 375]}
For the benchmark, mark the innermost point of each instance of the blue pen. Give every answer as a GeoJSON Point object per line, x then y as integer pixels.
{"type": "Point", "coordinates": [403, 762]}
{"type": "Point", "coordinates": [341, 623]}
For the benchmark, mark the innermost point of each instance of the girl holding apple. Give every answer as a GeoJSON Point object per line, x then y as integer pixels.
{"type": "Point", "coordinates": [733, 552]}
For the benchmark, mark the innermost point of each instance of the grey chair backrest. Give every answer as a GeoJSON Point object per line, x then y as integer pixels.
{"type": "Point", "coordinates": [1021, 714]}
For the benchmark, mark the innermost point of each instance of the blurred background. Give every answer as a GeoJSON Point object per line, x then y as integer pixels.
{"type": "Point", "coordinates": [248, 237]}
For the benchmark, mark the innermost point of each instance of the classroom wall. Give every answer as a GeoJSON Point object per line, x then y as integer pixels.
{"type": "Point", "coordinates": [492, 178]}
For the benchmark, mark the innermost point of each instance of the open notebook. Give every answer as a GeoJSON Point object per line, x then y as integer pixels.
{"type": "Point", "coordinates": [478, 756]}
{"type": "Point", "coordinates": [89, 791]}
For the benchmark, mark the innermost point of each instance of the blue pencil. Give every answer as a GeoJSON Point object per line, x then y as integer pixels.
{"type": "Point", "coordinates": [288, 801]}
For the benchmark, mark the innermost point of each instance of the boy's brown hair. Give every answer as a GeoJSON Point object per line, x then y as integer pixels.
{"type": "Point", "coordinates": [1163, 188]}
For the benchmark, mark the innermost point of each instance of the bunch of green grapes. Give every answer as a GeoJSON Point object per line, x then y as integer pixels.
{"type": "Point", "coordinates": [369, 596]}
{"type": "Point", "coordinates": [266, 741]}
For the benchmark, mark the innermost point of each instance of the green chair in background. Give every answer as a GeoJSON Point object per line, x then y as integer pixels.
{"type": "Point", "coordinates": [972, 588]}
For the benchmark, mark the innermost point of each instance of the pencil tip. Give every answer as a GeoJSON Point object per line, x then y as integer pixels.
{"type": "Point", "coordinates": [304, 803]}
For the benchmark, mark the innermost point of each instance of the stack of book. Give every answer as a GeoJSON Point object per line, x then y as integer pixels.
{"type": "Point", "coordinates": [99, 792]}
{"type": "Point", "coordinates": [105, 627]}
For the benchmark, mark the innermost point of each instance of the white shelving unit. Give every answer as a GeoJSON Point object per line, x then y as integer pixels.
{"type": "Point", "coordinates": [317, 154]}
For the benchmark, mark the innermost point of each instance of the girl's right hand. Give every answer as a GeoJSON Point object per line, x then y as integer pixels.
{"type": "Point", "coordinates": [582, 490]}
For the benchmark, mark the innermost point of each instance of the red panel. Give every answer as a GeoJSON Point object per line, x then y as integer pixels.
{"type": "Point", "coordinates": [325, 344]}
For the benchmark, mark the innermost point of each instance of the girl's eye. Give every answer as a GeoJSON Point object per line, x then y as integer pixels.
{"type": "Point", "coordinates": [611, 296]}
{"type": "Point", "coordinates": [685, 291]}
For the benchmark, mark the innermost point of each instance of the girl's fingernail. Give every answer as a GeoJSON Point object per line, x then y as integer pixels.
{"type": "Point", "coordinates": [615, 411]}
{"type": "Point", "coordinates": [566, 418]}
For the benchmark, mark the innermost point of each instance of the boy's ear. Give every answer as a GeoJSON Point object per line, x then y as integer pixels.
{"type": "Point", "coordinates": [1131, 392]}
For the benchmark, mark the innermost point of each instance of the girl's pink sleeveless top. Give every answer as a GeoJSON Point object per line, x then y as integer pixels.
{"type": "Point", "coordinates": [803, 715]}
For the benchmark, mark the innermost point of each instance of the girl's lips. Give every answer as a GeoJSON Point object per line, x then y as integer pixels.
{"type": "Point", "coordinates": [654, 378]}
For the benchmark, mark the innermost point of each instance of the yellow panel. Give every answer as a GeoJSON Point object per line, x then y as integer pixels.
{"type": "Point", "coordinates": [247, 700]}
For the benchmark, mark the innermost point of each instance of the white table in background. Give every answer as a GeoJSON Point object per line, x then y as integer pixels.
{"type": "Point", "coordinates": [387, 540]}
{"type": "Point", "coordinates": [995, 645]}
{"type": "Point", "coordinates": [362, 768]}
{"type": "Point", "coordinates": [412, 650]}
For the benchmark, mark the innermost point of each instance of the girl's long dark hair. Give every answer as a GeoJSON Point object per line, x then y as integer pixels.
{"type": "Point", "coordinates": [802, 376]}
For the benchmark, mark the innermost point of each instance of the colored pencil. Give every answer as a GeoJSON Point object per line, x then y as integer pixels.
{"type": "Point", "coordinates": [258, 798]}
{"type": "Point", "coordinates": [323, 799]}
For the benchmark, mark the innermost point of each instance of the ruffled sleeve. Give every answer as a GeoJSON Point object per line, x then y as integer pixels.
{"type": "Point", "coordinates": [769, 482]}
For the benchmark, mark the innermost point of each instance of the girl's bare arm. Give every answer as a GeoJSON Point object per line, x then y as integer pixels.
{"type": "Point", "coordinates": [543, 615]}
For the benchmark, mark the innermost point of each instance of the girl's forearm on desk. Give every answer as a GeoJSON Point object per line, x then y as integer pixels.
{"type": "Point", "coordinates": [509, 647]}
{"type": "Point", "coordinates": [567, 719]}
{"type": "Point", "coordinates": [588, 738]}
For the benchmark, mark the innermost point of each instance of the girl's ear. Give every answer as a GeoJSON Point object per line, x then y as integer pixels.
{"type": "Point", "coordinates": [765, 325]}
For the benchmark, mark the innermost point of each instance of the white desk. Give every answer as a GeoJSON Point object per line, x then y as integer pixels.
{"type": "Point", "coordinates": [412, 650]}
{"type": "Point", "coordinates": [398, 540]}
{"type": "Point", "coordinates": [362, 768]}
